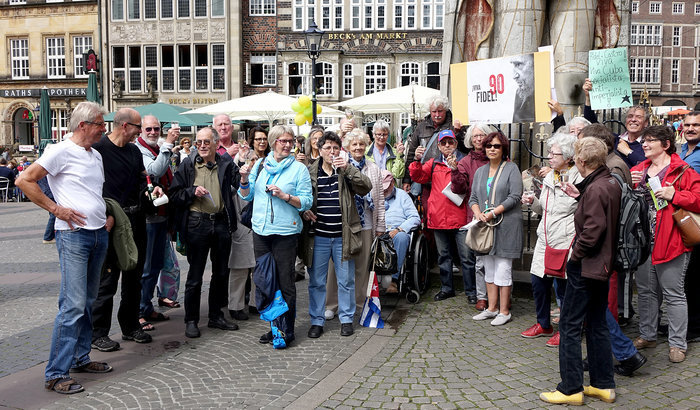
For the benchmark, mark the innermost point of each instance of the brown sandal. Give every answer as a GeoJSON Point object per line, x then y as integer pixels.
{"type": "Point", "coordinates": [64, 385]}
{"type": "Point", "coordinates": [93, 367]}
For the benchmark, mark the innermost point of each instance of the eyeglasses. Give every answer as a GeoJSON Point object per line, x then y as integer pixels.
{"type": "Point", "coordinates": [260, 139]}
{"type": "Point", "coordinates": [378, 135]}
{"type": "Point", "coordinates": [285, 141]}
{"type": "Point", "coordinates": [448, 141]}
{"type": "Point", "coordinates": [495, 146]}
{"type": "Point", "coordinates": [135, 125]}
{"type": "Point", "coordinates": [554, 153]}
{"type": "Point", "coordinates": [152, 129]}
{"type": "Point", "coordinates": [330, 148]}
{"type": "Point", "coordinates": [99, 124]}
{"type": "Point", "coordinates": [200, 142]}
{"type": "Point", "coordinates": [478, 136]}
{"type": "Point", "coordinates": [649, 139]}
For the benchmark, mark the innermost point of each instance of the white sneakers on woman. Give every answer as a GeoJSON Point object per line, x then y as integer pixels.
{"type": "Point", "coordinates": [501, 319]}
{"type": "Point", "coordinates": [485, 314]}
{"type": "Point", "coordinates": [498, 318]}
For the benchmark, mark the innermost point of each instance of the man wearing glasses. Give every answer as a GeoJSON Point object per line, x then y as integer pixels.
{"type": "Point", "coordinates": [156, 160]}
{"type": "Point", "coordinates": [125, 182]}
{"type": "Point", "coordinates": [202, 193]}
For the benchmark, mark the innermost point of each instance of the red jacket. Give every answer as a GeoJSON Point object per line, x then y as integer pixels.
{"type": "Point", "coordinates": [442, 212]}
{"type": "Point", "coordinates": [667, 239]}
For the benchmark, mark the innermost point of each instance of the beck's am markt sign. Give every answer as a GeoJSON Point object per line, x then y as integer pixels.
{"type": "Point", "coordinates": [366, 36]}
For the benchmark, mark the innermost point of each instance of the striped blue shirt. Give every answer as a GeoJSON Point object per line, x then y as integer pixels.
{"type": "Point", "coordinates": [330, 220]}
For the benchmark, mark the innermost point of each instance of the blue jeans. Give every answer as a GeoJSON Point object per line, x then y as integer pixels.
{"type": "Point", "coordinates": [402, 241]}
{"type": "Point", "coordinates": [156, 240]}
{"type": "Point", "coordinates": [585, 300]}
{"type": "Point", "coordinates": [50, 232]}
{"type": "Point", "coordinates": [542, 292]}
{"type": "Point", "coordinates": [622, 346]}
{"type": "Point", "coordinates": [81, 253]}
{"type": "Point", "coordinates": [325, 249]}
{"type": "Point", "coordinates": [449, 241]}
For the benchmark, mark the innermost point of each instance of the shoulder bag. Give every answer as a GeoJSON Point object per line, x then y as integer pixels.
{"type": "Point", "coordinates": [554, 259]}
{"type": "Point", "coordinates": [688, 222]}
{"type": "Point", "coordinates": [480, 236]}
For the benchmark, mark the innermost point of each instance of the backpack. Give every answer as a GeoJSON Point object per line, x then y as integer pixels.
{"type": "Point", "coordinates": [634, 230]}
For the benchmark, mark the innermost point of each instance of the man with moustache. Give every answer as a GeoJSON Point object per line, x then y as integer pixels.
{"type": "Point", "coordinates": [125, 182]}
{"type": "Point", "coordinates": [157, 163]}
{"type": "Point", "coordinates": [628, 144]}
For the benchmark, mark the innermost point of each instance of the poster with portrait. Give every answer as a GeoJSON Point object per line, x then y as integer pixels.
{"type": "Point", "coordinates": [610, 75]}
{"type": "Point", "coordinates": [503, 90]}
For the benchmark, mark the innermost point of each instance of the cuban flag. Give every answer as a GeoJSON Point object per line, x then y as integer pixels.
{"type": "Point", "coordinates": [372, 310]}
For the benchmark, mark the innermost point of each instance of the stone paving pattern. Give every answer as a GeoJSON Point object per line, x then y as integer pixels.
{"type": "Point", "coordinates": [438, 356]}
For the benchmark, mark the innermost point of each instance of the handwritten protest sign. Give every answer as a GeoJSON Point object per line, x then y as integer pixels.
{"type": "Point", "coordinates": [609, 72]}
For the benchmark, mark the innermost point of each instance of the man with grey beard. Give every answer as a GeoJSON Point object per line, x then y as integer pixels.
{"type": "Point", "coordinates": [524, 76]}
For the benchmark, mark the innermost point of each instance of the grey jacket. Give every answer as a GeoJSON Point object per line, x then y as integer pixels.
{"type": "Point", "coordinates": [242, 255]}
{"type": "Point", "coordinates": [508, 235]}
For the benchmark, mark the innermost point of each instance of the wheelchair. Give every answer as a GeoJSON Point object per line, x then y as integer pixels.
{"type": "Point", "coordinates": [413, 277]}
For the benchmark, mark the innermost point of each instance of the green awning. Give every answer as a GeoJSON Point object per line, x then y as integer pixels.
{"type": "Point", "coordinates": [167, 113]}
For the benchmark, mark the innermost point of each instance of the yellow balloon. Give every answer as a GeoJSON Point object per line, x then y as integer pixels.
{"type": "Point", "coordinates": [296, 107]}
{"type": "Point", "coordinates": [318, 108]}
{"type": "Point", "coordinates": [310, 119]}
{"type": "Point", "coordinates": [304, 101]}
{"type": "Point", "coordinates": [299, 119]}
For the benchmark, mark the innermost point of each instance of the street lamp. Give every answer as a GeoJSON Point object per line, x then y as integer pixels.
{"type": "Point", "coordinates": [313, 42]}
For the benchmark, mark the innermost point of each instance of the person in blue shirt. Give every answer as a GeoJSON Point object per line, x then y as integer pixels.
{"type": "Point", "coordinates": [690, 152]}
{"type": "Point", "coordinates": [281, 188]}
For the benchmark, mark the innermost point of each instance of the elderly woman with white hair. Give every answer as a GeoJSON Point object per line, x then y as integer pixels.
{"type": "Point", "coordinates": [474, 282]}
{"type": "Point", "coordinates": [382, 154]}
{"type": "Point", "coordinates": [556, 230]}
{"type": "Point", "coordinates": [576, 125]}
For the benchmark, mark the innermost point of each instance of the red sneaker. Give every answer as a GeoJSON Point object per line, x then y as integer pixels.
{"type": "Point", "coordinates": [554, 341]}
{"type": "Point", "coordinates": [536, 331]}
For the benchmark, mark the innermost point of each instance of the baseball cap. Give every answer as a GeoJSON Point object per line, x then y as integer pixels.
{"type": "Point", "coordinates": [387, 179]}
{"type": "Point", "coordinates": [445, 134]}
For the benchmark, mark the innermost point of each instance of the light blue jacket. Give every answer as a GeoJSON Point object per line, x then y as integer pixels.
{"type": "Point", "coordinates": [400, 212]}
{"type": "Point", "coordinates": [272, 215]}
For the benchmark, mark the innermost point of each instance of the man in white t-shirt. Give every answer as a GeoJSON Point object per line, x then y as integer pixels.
{"type": "Point", "coordinates": [75, 175]}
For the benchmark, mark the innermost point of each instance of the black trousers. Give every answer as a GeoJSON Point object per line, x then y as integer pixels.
{"type": "Point", "coordinates": [207, 237]}
{"type": "Point", "coordinates": [692, 289]}
{"type": "Point", "coordinates": [284, 252]}
{"type": "Point", "coordinates": [128, 314]}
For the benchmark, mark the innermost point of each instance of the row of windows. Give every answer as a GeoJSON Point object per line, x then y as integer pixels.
{"type": "Point", "coordinates": [165, 9]}
{"type": "Point", "coordinates": [677, 7]}
{"type": "Point", "coordinates": [646, 34]}
{"type": "Point", "coordinates": [169, 68]}
{"type": "Point", "coordinates": [363, 14]}
{"type": "Point", "coordinates": [646, 70]}
{"type": "Point", "coordinates": [55, 56]}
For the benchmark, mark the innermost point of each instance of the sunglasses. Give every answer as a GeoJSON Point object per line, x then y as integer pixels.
{"type": "Point", "coordinates": [448, 141]}
{"type": "Point", "coordinates": [154, 129]}
{"type": "Point", "coordinates": [496, 146]}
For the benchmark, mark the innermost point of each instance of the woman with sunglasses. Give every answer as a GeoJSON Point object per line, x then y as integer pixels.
{"type": "Point", "coordinates": [508, 234]}
{"type": "Point", "coordinates": [444, 216]}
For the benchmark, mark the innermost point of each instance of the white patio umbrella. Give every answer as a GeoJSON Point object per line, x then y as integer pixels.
{"type": "Point", "coordinates": [409, 98]}
{"type": "Point", "coordinates": [268, 106]}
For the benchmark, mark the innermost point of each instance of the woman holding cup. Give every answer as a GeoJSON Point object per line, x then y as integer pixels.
{"type": "Point", "coordinates": [556, 230]}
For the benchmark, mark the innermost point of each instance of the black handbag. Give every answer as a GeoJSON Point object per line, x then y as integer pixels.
{"type": "Point", "coordinates": [385, 261]}
{"type": "Point", "coordinates": [247, 211]}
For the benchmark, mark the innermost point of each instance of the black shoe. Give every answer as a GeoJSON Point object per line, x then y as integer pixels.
{"type": "Point", "coordinates": [138, 336]}
{"type": "Point", "coordinates": [299, 277]}
{"type": "Point", "coordinates": [221, 323]}
{"type": "Point", "coordinates": [471, 299]}
{"type": "Point", "coordinates": [346, 329]}
{"type": "Point", "coordinates": [266, 338]}
{"type": "Point", "coordinates": [628, 366]}
{"type": "Point", "coordinates": [191, 329]}
{"type": "Point", "coordinates": [105, 344]}
{"type": "Point", "coordinates": [253, 310]}
{"type": "Point", "coordinates": [662, 330]}
{"type": "Point", "coordinates": [315, 331]}
{"type": "Point", "coordinates": [444, 295]}
{"type": "Point", "coordinates": [238, 314]}
{"type": "Point", "coordinates": [623, 321]}
{"type": "Point", "coordinates": [585, 364]}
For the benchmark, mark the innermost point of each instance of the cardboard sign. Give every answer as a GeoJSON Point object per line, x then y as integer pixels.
{"type": "Point", "coordinates": [609, 72]}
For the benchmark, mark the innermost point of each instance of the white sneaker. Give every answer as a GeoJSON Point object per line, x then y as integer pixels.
{"type": "Point", "coordinates": [329, 314]}
{"type": "Point", "coordinates": [486, 314]}
{"type": "Point", "coordinates": [501, 319]}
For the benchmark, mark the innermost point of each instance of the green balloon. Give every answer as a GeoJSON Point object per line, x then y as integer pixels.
{"type": "Point", "coordinates": [308, 112]}
{"type": "Point", "coordinates": [296, 107]}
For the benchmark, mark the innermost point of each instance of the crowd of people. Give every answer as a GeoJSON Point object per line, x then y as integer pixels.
{"type": "Point", "coordinates": [316, 204]}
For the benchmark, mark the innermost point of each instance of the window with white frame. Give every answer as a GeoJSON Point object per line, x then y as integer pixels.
{"type": "Point", "coordinates": [201, 67]}
{"type": "Point", "coordinates": [166, 9]}
{"type": "Point", "coordinates": [697, 8]}
{"type": "Point", "coordinates": [373, 14]}
{"type": "Point", "coordinates": [698, 63]}
{"type": "Point", "coordinates": [119, 66]}
{"type": "Point", "coordinates": [432, 77]}
{"type": "Point", "coordinates": [644, 70]}
{"type": "Point", "coordinates": [167, 71]}
{"type": "Point", "coordinates": [678, 7]}
{"type": "Point", "coordinates": [348, 81]}
{"type": "Point", "coordinates": [303, 14]}
{"type": "Point", "coordinates": [298, 75]}
{"type": "Point", "coordinates": [217, 8]}
{"type": "Point", "coordinates": [646, 34]}
{"type": "Point", "coordinates": [218, 69]}
{"type": "Point", "coordinates": [375, 78]}
{"type": "Point", "coordinates": [59, 124]}
{"type": "Point", "coordinates": [324, 79]}
{"type": "Point", "coordinates": [355, 9]}
{"type": "Point", "coordinates": [674, 71]}
{"type": "Point", "coordinates": [81, 44]}
{"type": "Point", "coordinates": [635, 7]}
{"type": "Point", "coordinates": [56, 57]}
{"type": "Point", "coordinates": [676, 39]}
{"type": "Point", "coordinates": [117, 10]}
{"type": "Point", "coordinates": [150, 54]}
{"type": "Point", "coordinates": [184, 67]}
{"type": "Point", "coordinates": [410, 73]}
{"type": "Point", "coordinates": [404, 14]}
{"type": "Point", "coordinates": [19, 55]}
{"type": "Point", "coordinates": [263, 69]}
{"type": "Point", "coordinates": [331, 14]}
{"type": "Point", "coordinates": [18, 1]}
{"type": "Point", "coordinates": [200, 8]}
{"type": "Point", "coordinates": [150, 10]}
{"type": "Point", "coordinates": [135, 67]}
{"type": "Point", "coordinates": [183, 8]}
{"type": "Point", "coordinates": [262, 7]}
{"type": "Point", "coordinates": [654, 7]}
{"type": "Point", "coordinates": [133, 10]}
{"type": "Point", "coordinates": [433, 14]}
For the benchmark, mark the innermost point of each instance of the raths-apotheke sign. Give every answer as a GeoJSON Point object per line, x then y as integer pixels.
{"type": "Point", "coordinates": [36, 92]}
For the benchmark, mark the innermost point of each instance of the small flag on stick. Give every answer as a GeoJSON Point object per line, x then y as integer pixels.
{"type": "Point", "coordinates": [372, 310]}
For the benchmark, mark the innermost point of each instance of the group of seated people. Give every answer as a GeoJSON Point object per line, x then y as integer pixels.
{"type": "Point", "coordinates": [10, 168]}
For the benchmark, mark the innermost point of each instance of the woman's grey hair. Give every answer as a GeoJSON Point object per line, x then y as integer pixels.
{"type": "Point", "coordinates": [566, 144]}
{"type": "Point", "coordinates": [85, 111]}
{"type": "Point", "coordinates": [438, 101]}
{"type": "Point", "coordinates": [356, 134]}
{"type": "Point", "coordinates": [579, 120]}
{"type": "Point", "coordinates": [485, 128]}
{"type": "Point", "coordinates": [278, 131]}
{"type": "Point", "coordinates": [308, 149]}
{"type": "Point", "coordinates": [381, 125]}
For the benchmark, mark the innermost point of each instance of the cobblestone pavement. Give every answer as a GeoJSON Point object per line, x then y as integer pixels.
{"type": "Point", "coordinates": [436, 357]}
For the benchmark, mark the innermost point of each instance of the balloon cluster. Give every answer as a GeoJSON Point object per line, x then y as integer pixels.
{"type": "Point", "coordinates": [304, 109]}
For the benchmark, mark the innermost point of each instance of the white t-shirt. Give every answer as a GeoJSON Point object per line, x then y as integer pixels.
{"type": "Point", "coordinates": [76, 176]}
